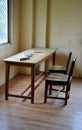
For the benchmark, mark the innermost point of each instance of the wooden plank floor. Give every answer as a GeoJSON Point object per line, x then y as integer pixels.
{"type": "Point", "coordinates": [19, 114]}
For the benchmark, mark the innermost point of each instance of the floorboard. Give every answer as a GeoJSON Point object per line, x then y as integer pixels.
{"type": "Point", "coordinates": [19, 114]}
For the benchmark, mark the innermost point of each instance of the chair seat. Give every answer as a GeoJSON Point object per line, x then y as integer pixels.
{"type": "Point", "coordinates": [59, 78]}
{"type": "Point", "coordinates": [58, 67]}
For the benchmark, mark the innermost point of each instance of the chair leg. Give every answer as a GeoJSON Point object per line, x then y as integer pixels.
{"type": "Point", "coordinates": [46, 89]}
{"type": "Point", "coordinates": [66, 94]}
{"type": "Point", "coordinates": [65, 101]}
{"type": "Point", "coordinates": [69, 90]}
{"type": "Point", "coordinates": [63, 87]}
{"type": "Point", "coordinates": [50, 89]}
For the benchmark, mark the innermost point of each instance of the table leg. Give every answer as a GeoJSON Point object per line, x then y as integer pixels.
{"type": "Point", "coordinates": [32, 83]}
{"type": "Point", "coordinates": [7, 81]}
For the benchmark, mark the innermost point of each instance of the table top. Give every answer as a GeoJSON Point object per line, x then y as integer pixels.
{"type": "Point", "coordinates": [32, 56]}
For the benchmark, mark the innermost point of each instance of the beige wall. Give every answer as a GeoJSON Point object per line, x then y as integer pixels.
{"type": "Point", "coordinates": [11, 48]}
{"type": "Point", "coordinates": [55, 24]}
{"type": "Point", "coordinates": [52, 23]}
{"type": "Point", "coordinates": [26, 10]}
{"type": "Point", "coordinates": [33, 23]}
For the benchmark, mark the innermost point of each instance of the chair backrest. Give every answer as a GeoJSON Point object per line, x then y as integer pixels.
{"type": "Point", "coordinates": [68, 60]}
{"type": "Point", "coordinates": [72, 68]}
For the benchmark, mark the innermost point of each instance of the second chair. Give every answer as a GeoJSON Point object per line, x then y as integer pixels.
{"type": "Point", "coordinates": [59, 68]}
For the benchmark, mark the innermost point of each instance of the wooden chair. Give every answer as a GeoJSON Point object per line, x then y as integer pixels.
{"type": "Point", "coordinates": [59, 80]}
{"type": "Point", "coordinates": [59, 68]}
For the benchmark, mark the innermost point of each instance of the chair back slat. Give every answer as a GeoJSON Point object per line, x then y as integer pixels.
{"type": "Point", "coordinates": [72, 68]}
{"type": "Point", "coordinates": [68, 61]}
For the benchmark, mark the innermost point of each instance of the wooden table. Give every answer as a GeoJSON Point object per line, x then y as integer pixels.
{"type": "Point", "coordinates": [38, 55]}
